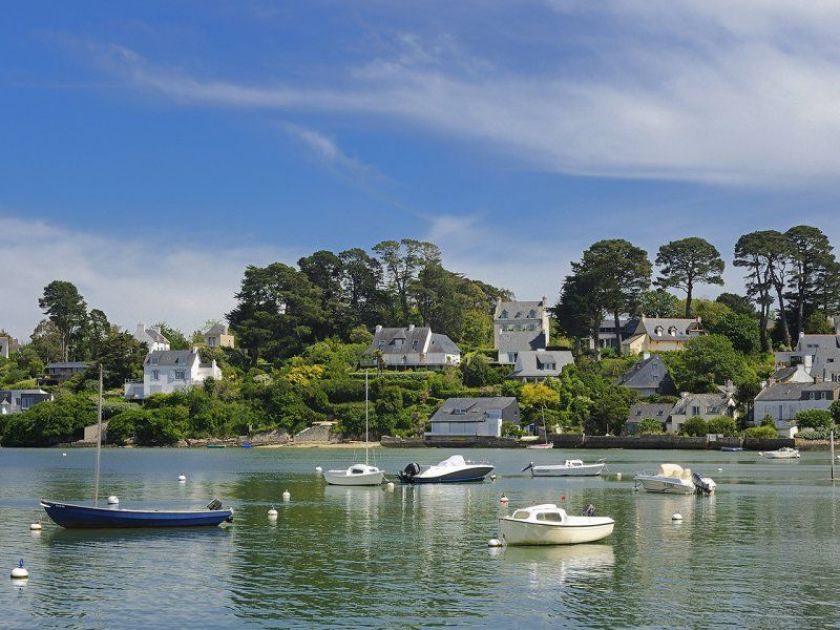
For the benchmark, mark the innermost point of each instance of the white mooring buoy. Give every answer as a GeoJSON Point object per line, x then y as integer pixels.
{"type": "Point", "coordinates": [618, 476]}
{"type": "Point", "coordinates": [720, 469]}
{"type": "Point", "coordinates": [493, 477]}
{"type": "Point", "coordinates": [318, 469]}
{"type": "Point", "coordinates": [287, 496]}
{"type": "Point", "coordinates": [64, 454]}
{"type": "Point", "coordinates": [390, 486]}
{"type": "Point", "coordinates": [113, 500]}
{"type": "Point", "coordinates": [495, 542]}
{"type": "Point", "coordinates": [19, 573]}
{"type": "Point", "coordinates": [676, 516]}
{"type": "Point", "coordinates": [182, 478]}
{"type": "Point", "coordinates": [504, 499]}
{"type": "Point", "coordinates": [36, 527]}
{"type": "Point", "coordinates": [272, 513]}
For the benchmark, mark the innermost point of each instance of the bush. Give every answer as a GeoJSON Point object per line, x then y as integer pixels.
{"type": "Point", "coordinates": [123, 426]}
{"type": "Point", "coordinates": [650, 426]}
{"type": "Point", "coordinates": [695, 427]}
{"type": "Point", "coordinates": [723, 425]}
{"type": "Point", "coordinates": [819, 419]}
{"type": "Point", "coordinates": [764, 432]}
{"type": "Point", "coordinates": [51, 422]}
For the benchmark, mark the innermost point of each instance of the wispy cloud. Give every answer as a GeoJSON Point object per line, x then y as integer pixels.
{"type": "Point", "coordinates": [694, 91]}
{"type": "Point", "coordinates": [327, 151]}
{"type": "Point", "coordinates": [184, 284]}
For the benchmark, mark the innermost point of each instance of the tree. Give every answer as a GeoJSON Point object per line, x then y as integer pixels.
{"type": "Point", "coordinates": [834, 410]}
{"type": "Point", "coordinates": [688, 262]}
{"type": "Point", "coordinates": [695, 427]}
{"type": "Point", "coordinates": [402, 260]}
{"type": "Point", "coordinates": [476, 371]}
{"type": "Point", "coordinates": [649, 426]}
{"type": "Point", "coordinates": [66, 309]}
{"type": "Point", "coordinates": [817, 323]}
{"type": "Point", "coordinates": [737, 303]}
{"type": "Point", "coordinates": [361, 279]}
{"type": "Point", "coordinates": [741, 330]}
{"type": "Point", "coordinates": [705, 361]}
{"type": "Point", "coordinates": [723, 425]}
{"type": "Point", "coordinates": [608, 411]}
{"type": "Point", "coordinates": [810, 256]}
{"type": "Point", "coordinates": [538, 396]}
{"type": "Point", "coordinates": [46, 341]}
{"type": "Point", "coordinates": [658, 303]}
{"type": "Point", "coordinates": [580, 310]}
{"type": "Point", "coordinates": [819, 419]}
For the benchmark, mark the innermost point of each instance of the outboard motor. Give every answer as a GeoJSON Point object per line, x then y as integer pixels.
{"type": "Point", "coordinates": [214, 505]}
{"type": "Point", "coordinates": [703, 484]}
{"type": "Point", "coordinates": [408, 473]}
{"type": "Point", "coordinates": [589, 510]}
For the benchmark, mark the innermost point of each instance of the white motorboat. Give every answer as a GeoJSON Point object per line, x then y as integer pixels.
{"type": "Point", "coordinates": [569, 468]}
{"type": "Point", "coordinates": [674, 479]}
{"type": "Point", "coordinates": [451, 470]}
{"type": "Point", "coordinates": [548, 524]}
{"type": "Point", "coordinates": [785, 452]}
{"type": "Point", "coordinates": [358, 474]}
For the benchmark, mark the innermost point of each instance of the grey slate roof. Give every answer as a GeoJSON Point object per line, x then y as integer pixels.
{"type": "Point", "coordinates": [443, 344]}
{"type": "Point", "coordinates": [710, 404]}
{"type": "Point", "coordinates": [414, 340]}
{"type": "Point", "coordinates": [217, 329]}
{"type": "Point", "coordinates": [171, 358]}
{"type": "Point", "coordinates": [680, 326]}
{"type": "Point", "coordinates": [156, 336]}
{"type": "Point", "coordinates": [657, 411]}
{"type": "Point", "coordinates": [650, 373]}
{"type": "Point", "coordinates": [520, 340]}
{"type": "Point", "coordinates": [519, 310]}
{"type": "Point", "coordinates": [825, 358]}
{"type": "Point", "coordinates": [811, 343]}
{"type": "Point", "coordinates": [528, 363]}
{"type": "Point", "coordinates": [62, 365]}
{"type": "Point", "coordinates": [472, 409]}
{"type": "Point", "coordinates": [793, 391]}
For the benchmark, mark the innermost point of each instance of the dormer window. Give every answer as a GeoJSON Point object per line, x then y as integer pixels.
{"type": "Point", "coordinates": [532, 314]}
{"type": "Point", "coordinates": [658, 331]}
{"type": "Point", "coordinates": [518, 315]}
{"type": "Point", "coordinates": [672, 331]}
{"type": "Point", "coordinates": [504, 314]}
{"type": "Point", "coordinates": [397, 343]}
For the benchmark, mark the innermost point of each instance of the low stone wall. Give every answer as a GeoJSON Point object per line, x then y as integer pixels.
{"type": "Point", "coordinates": [478, 441]}
{"type": "Point", "coordinates": [646, 441]}
{"type": "Point", "coordinates": [397, 442]}
{"type": "Point", "coordinates": [757, 444]}
{"type": "Point", "coordinates": [320, 433]}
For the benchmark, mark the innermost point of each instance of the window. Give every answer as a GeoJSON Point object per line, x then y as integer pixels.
{"type": "Point", "coordinates": [180, 375]}
{"type": "Point", "coordinates": [155, 375]}
{"type": "Point", "coordinates": [153, 361]}
{"type": "Point", "coordinates": [532, 314]}
{"type": "Point", "coordinates": [397, 343]}
{"type": "Point", "coordinates": [459, 412]}
{"type": "Point", "coordinates": [518, 315]}
{"type": "Point", "coordinates": [658, 331]}
{"type": "Point", "coordinates": [504, 314]}
{"type": "Point", "coordinates": [695, 410]}
{"type": "Point", "coordinates": [553, 517]}
{"type": "Point", "coordinates": [211, 341]}
{"type": "Point", "coordinates": [672, 331]}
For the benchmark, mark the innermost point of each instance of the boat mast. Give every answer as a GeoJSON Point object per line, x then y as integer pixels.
{"type": "Point", "coordinates": [98, 438]}
{"type": "Point", "coordinates": [545, 427]}
{"type": "Point", "coordinates": [366, 417]}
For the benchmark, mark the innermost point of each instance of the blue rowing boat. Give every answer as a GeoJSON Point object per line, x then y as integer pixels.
{"type": "Point", "coordinates": [73, 516]}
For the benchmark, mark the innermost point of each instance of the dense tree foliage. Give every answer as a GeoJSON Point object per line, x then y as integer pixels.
{"type": "Point", "coordinates": [686, 263]}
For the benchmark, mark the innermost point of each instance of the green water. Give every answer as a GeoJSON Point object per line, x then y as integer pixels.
{"type": "Point", "coordinates": [763, 552]}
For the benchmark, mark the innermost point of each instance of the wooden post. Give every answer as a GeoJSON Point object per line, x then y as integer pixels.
{"type": "Point", "coordinates": [832, 455]}
{"type": "Point", "coordinates": [98, 439]}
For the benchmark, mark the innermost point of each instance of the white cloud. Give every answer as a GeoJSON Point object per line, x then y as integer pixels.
{"type": "Point", "coordinates": [327, 151]}
{"type": "Point", "coordinates": [743, 93]}
{"type": "Point", "coordinates": [133, 281]}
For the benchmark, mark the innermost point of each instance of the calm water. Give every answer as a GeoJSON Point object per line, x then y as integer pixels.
{"type": "Point", "coordinates": [763, 552]}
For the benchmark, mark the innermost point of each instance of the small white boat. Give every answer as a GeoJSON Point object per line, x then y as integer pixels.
{"type": "Point", "coordinates": [785, 452]}
{"type": "Point", "coordinates": [541, 445]}
{"type": "Point", "coordinates": [548, 524]}
{"type": "Point", "coordinates": [569, 468]}
{"type": "Point", "coordinates": [674, 479]}
{"type": "Point", "coordinates": [356, 475]}
{"type": "Point", "coordinates": [454, 469]}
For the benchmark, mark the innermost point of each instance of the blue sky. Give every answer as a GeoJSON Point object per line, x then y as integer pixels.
{"type": "Point", "coordinates": [150, 150]}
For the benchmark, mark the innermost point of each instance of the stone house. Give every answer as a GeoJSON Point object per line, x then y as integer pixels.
{"type": "Point", "coordinates": [706, 406]}
{"type": "Point", "coordinates": [657, 334]}
{"type": "Point", "coordinates": [537, 365]}
{"type": "Point", "coordinates": [661, 412]}
{"type": "Point", "coordinates": [218, 336]}
{"type": "Point", "coordinates": [474, 416]}
{"type": "Point", "coordinates": [152, 337]}
{"type": "Point", "coordinates": [411, 347]}
{"type": "Point", "coordinates": [167, 371]}
{"type": "Point", "coordinates": [520, 327]}
{"type": "Point", "coordinates": [606, 332]}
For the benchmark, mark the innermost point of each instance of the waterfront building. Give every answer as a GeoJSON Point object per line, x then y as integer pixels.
{"type": "Point", "coordinates": [474, 417]}
{"type": "Point", "coordinates": [661, 412]}
{"type": "Point", "coordinates": [19, 400]}
{"type": "Point", "coordinates": [519, 327]}
{"type": "Point", "coordinates": [648, 377]}
{"type": "Point", "coordinates": [782, 401]}
{"type": "Point", "coordinates": [218, 336]}
{"type": "Point", "coordinates": [537, 365]}
{"type": "Point", "coordinates": [167, 371]}
{"type": "Point", "coordinates": [411, 347]}
{"type": "Point", "coordinates": [152, 337]}
{"type": "Point", "coordinates": [706, 406]}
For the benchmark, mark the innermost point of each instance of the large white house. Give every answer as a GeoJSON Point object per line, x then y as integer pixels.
{"type": "Point", "coordinates": [152, 337]}
{"type": "Point", "coordinates": [411, 347]}
{"type": "Point", "coordinates": [167, 371]}
{"type": "Point", "coordinates": [474, 416]}
{"type": "Point", "coordinates": [519, 327]}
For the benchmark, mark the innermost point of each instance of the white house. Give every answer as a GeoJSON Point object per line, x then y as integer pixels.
{"type": "Point", "coordinates": [19, 400]}
{"type": "Point", "coordinates": [411, 347]}
{"type": "Point", "coordinates": [167, 371]}
{"type": "Point", "coordinates": [474, 416]}
{"type": "Point", "coordinates": [782, 401]}
{"type": "Point", "coordinates": [537, 365]}
{"type": "Point", "coordinates": [152, 337]}
{"type": "Point", "coordinates": [519, 327]}
{"type": "Point", "coordinates": [706, 406]}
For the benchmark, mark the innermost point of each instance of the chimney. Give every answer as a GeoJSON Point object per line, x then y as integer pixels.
{"type": "Point", "coordinates": [378, 327]}
{"type": "Point", "coordinates": [808, 360]}
{"type": "Point", "coordinates": [763, 385]}
{"type": "Point", "coordinates": [645, 355]}
{"type": "Point", "coordinates": [410, 327]}
{"type": "Point", "coordinates": [683, 394]}
{"type": "Point", "coordinates": [801, 334]}
{"type": "Point", "coordinates": [141, 329]}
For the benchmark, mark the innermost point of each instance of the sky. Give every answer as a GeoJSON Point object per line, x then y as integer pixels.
{"type": "Point", "coordinates": [150, 151]}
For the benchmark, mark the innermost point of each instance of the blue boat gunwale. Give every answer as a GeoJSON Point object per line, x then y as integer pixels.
{"type": "Point", "coordinates": [106, 510]}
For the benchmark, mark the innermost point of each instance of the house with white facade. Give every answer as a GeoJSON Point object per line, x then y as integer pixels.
{"type": "Point", "coordinates": [20, 400]}
{"type": "Point", "coordinates": [537, 365]}
{"type": "Point", "coordinates": [474, 417]}
{"type": "Point", "coordinates": [520, 327]}
{"type": "Point", "coordinates": [411, 347]}
{"type": "Point", "coordinates": [218, 336]}
{"type": "Point", "coordinates": [818, 356]}
{"type": "Point", "coordinates": [658, 334]}
{"type": "Point", "coordinates": [8, 346]}
{"type": "Point", "coordinates": [152, 337]}
{"type": "Point", "coordinates": [167, 371]}
{"type": "Point", "coordinates": [706, 406]}
{"type": "Point", "coordinates": [782, 401]}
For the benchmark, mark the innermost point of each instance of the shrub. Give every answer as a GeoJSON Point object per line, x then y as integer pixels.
{"type": "Point", "coordinates": [695, 427]}
{"type": "Point", "coordinates": [723, 425]}
{"type": "Point", "coordinates": [762, 432]}
{"type": "Point", "coordinates": [649, 426]}
{"type": "Point", "coordinates": [124, 425]}
{"type": "Point", "coordinates": [819, 419]}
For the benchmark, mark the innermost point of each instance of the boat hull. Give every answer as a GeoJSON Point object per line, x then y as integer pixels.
{"type": "Point", "coordinates": [549, 445]}
{"type": "Point", "coordinates": [779, 455]}
{"type": "Point", "coordinates": [666, 486]}
{"type": "Point", "coordinates": [341, 478]}
{"type": "Point", "coordinates": [559, 470]}
{"type": "Point", "coordinates": [520, 533]}
{"type": "Point", "coordinates": [473, 473]}
{"type": "Point", "coordinates": [72, 516]}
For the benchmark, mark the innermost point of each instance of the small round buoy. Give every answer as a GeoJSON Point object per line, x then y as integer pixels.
{"type": "Point", "coordinates": [36, 527]}
{"type": "Point", "coordinates": [182, 478]}
{"type": "Point", "coordinates": [562, 497]}
{"type": "Point", "coordinates": [64, 454]}
{"type": "Point", "coordinates": [272, 513]}
{"type": "Point", "coordinates": [504, 499]}
{"type": "Point", "coordinates": [676, 516]}
{"type": "Point", "coordinates": [493, 477]}
{"type": "Point", "coordinates": [720, 469]}
{"type": "Point", "coordinates": [287, 496]}
{"type": "Point", "coordinates": [390, 486]}
{"type": "Point", "coordinates": [494, 542]}
{"type": "Point", "coordinates": [618, 476]}
{"type": "Point", "coordinates": [19, 573]}
{"type": "Point", "coordinates": [318, 469]}
{"type": "Point", "coordinates": [113, 500]}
